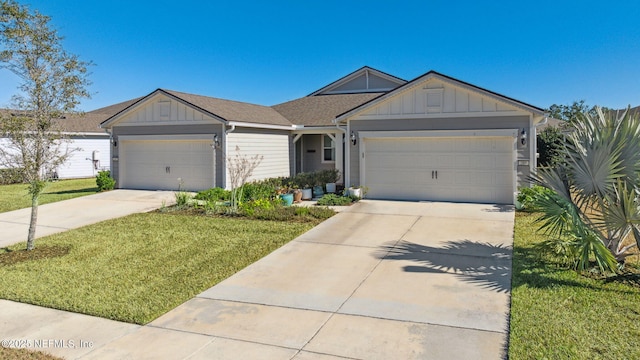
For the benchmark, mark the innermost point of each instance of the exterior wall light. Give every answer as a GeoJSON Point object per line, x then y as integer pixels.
{"type": "Point", "coordinates": [353, 138]}
{"type": "Point", "coordinates": [216, 141]}
{"type": "Point", "coordinates": [114, 141]}
{"type": "Point", "coordinates": [523, 137]}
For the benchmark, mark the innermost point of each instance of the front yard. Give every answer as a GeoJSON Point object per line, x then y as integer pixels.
{"type": "Point", "coordinates": [14, 197]}
{"type": "Point", "coordinates": [559, 314]}
{"type": "Point", "coordinates": [136, 268]}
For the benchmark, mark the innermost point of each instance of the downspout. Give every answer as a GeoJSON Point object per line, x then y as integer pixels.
{"type": "Point", "coordinates": [224, 153]}
{"type": "Point", "coordinates": [111, 148]}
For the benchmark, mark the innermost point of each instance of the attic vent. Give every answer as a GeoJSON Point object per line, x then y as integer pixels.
{"type": "Point", "coordinates": [164, 109]}
{"type": "Point", "coordinates": [434, 99]}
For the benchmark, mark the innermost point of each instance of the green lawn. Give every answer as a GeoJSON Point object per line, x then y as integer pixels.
{"type": "Point", "coordinates": [24, 354]}
{"type": "Point", "coordinates": [559, 314]}
{"type": "Point", "coordinates": [138, 267]}
{"type": "Point", "coordinates": [14, 197]}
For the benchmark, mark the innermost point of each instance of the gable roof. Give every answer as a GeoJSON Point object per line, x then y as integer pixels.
{"type": "Point", "coordinates": [435, 74]}
{"type": "Point", "coordinates": [363, 71]}
{"type": "Point", "coordinates": [225, 110]}
{"type": "Point", "coordinates": [88, 122]}
{"type": "Point", "coordinates": [321, 110]}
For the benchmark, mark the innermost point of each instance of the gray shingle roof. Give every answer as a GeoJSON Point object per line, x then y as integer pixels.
{"type": "Point", "coordinates": [320, 110]}
{"type": "Point", "coordinates": [233, 110]}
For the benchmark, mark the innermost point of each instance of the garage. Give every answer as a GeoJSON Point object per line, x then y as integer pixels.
{"type": "Point", "coordinates": [465, 169]}
{"type": "Point", "coordinates": [167, 164]}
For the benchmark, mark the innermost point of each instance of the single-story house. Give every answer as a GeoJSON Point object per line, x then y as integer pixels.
{"type": "Point", "coordinates": [430, 138]}
{"type": "Point", "coordinates": [91, 151]}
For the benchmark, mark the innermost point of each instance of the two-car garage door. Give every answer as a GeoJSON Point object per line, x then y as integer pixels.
{"type": "Point", "coordinates": [466, 169]}
{"type": "Point", "coordinates": [166, 164]}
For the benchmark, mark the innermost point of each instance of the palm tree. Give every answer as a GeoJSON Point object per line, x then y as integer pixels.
{"type": "Point", "coordinates": [595, 206]}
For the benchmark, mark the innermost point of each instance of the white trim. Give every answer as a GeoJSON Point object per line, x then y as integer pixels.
{"type": "Point", "coordinates": [349, 115]}
{"type": "Point", "coordinates": [364, 70]}
{"type": "Point", "coordinates": [261, 126]}
{"type": "Point", "coordinates": [376, 90]}
{"type": "Point", "coordinates": [198, 137]}
{"type": "Point", "coordinates": [462, 115]}
{"type": "Point", "coordinates": [173, 122]}
{"type": "Point", "coordinates": [322, 147]}
{"type": "Point", "coordinates": [513, 133]}
{"type": "Point", "coordinates": [69, 133]}
{"type": "Point", "coordinates": [316, 130]}
{"type": "Point", "coordinates": [439, 133]}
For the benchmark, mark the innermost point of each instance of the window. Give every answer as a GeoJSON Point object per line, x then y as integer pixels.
{"type": "Point", "coordinates": [328, 149]}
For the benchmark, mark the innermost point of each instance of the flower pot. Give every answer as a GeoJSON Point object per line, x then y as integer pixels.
{"type": "Point", "coordinates": [307, 194]}
{"type": "Point", "coordinates": [355, 192]}
{"type": "Point", "coordinates": [297, 196]}
{"type": "Point", "coordinates": [287, 198]}
{"type": "Point", "coordinates": [317, 191]}
{"type": "Point", "coordinates": [331, 188]}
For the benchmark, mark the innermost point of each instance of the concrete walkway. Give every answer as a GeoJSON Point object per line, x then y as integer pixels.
{"type": "Point", "coordinates": [74, 213]}
{"type": "Point", "coordinates": [381, 280]}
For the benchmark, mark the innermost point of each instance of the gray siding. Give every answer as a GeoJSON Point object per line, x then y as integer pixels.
{"type": "Point", "coordinates": [168, 130]}
{"type": "Point", "coordinates": [497, 122]}
{"type": "Point", "coordinates": [312, 153]}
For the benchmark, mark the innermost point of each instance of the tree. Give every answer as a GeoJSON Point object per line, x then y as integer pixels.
{"type": "Point", "coordinates": [594, 207]}
{"type": "Point", "coordinates": [53, 82]}
{"type": "Point", "coordinates": [240, 168]}
{"type": "Point", "coordinates": [573, 112]}
{"type": "Point", "coordinates": [549, 143]}
{"type": "Point", "coordinates": [568, 112]}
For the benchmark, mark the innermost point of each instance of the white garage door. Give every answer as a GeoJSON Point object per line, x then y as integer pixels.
{"type": "Point", "coordinates": [478, 169]}
{"type": "Point", "coordinates": [165, 164]}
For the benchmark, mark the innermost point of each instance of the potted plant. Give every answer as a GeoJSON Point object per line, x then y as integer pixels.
{"type": "Point", "coordinates": [302, 181]}
{"type": "Point", "coordinates": [330, 177]}
{"type": "Point", "coordinates": [286, 195]}
{"type": "Point", "coordinates": [307, 192]}
{"type": "Point", "coordinates": [357, 191]}
{"type": "Point", "coordinates": [318, 182]}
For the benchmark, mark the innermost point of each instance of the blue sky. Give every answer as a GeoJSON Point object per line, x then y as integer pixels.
{"type": "Point", "coordinates": [267, 52]}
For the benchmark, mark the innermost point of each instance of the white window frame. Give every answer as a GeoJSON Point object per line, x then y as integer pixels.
{"type": "Point", "coordinates": [322, 147]}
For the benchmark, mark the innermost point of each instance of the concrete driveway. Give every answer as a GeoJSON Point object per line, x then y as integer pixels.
{"type": "Point", "coordinates": [74, 213]}
{"type": "Point", "coordinates": [382, 280]}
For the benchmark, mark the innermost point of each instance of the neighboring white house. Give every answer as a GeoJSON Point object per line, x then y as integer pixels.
{"type": "Point", "coordinates": [431, 138]}
{"type": "Point", "coordinates": [89, 143]}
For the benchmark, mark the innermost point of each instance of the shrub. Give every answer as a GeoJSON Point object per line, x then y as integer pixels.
{"type": "Point", "coordinates": [182, 199]}
{"type": "Point", "coordinates": [328, 176]}
{"type": "Point", "coordinates": [104, 181]}
{"type": "Point", "coordinates": [334, 200]}
{"type": "Point", "coordinates": [550, 142]}
{"type": "Point", "coordinates": [249, 208]}
{"type": "Point", "coordinates": [528, 196]}
{"type": "Point", "coordinates": [11, 176]}
{"type": "Point", "coordinates": [293, 213]}
{"type": "Point", "coordinates": [258, 190]}
{"type": "Point", "coordinates": [214, 194]}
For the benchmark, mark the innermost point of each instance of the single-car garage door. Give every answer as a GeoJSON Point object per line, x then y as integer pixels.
{"type": "Point", "coordinates": [465, 169]}
{"type": "Point", "coordinates": [166, 164]}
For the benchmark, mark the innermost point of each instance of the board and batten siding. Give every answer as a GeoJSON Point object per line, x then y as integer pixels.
{"type": "Point", "coordinates": [273, 147]}
{"type": "Point", "coordinates": [437, 97]}
{"type": "Point", "coordinates": [164, 109]}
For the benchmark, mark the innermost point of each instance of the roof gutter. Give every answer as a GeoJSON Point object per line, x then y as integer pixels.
{"type": "Point", "coordinates": [261, 126]}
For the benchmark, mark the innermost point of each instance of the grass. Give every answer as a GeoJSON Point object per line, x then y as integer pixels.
{"type": "Point", "coordinates": [136, 268]}
{"type": "Point", "coordinates": [557, 313]}
{"type": "Point", "coordinates": [24, 354]}
{"type": "Point", "coordinates": [14, 197]}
